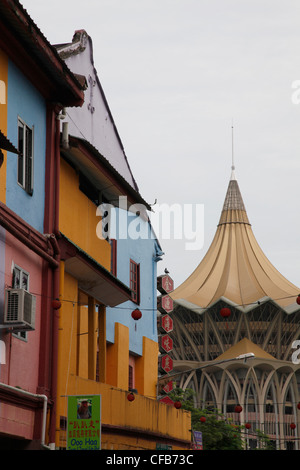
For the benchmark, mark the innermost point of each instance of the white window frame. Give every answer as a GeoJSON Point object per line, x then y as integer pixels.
{"type": "Point", "coordinates": [20, 334]}
{"type": "Point", "coordinates": [26, 157]}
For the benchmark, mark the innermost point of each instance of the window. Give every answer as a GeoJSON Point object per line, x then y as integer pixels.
{"type": "Point", "coordinates": [20, 280]}
{"type": "Point", "coordinates": [25, 158]}
{"type": "Point", "coordinates": [130, 378]}
{"type": "Point", "coordinates": [135, 281]}
{"type": "Point", "coordinates": [131, 373]}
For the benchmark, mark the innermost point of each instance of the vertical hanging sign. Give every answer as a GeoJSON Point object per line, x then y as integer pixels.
{"type": "Point", "coordinates": [165, 285]}
{"type": "Point", "coordinates": [197, 440]}
{"type": "Point", "coordinates": [84, 422]}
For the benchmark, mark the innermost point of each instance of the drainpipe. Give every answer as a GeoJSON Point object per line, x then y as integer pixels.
{"type": "Point", "coordinates": [56, 276]}
{"type": "Point", "coordinates": [29, 243]}
{"type": "Point", "coordinates": [19, 391]}
{"type": "Point", "coordinates": [65, 135]}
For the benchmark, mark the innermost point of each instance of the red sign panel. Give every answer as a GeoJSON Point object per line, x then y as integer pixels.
{"type": "Point", "coordinates": [167, 400]}
{"type": "Point", "coordinates": [166, 343]}
{"type": "Point", "coordinates": [165, 304]}
{"type": "Point", "coordinates": [166, 323]}
{"type": "Point", "coordinates": [165, 284]}
{"type": "Point", "coordinates": [166, 363]}
{"type": "Point", "coordinates": [168, 387]}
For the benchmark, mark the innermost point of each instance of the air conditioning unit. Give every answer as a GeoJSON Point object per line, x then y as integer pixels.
{"type": "Point", "coordinates": [19, 311]}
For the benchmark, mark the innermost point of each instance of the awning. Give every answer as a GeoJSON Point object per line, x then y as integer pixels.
{"type": "Point", "coordinates": [93, 279]}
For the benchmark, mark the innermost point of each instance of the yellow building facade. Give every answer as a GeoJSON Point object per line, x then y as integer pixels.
{"type": "Point", "coordinates": [87, 363]}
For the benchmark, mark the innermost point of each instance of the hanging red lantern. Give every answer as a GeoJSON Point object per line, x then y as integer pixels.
{"type": "Point", "coordinates": [202, 419]}
{"type": "Point", "coordinates": [225, 312]}
{"type": "Point", "coordinates": [247, 425]}
{"type": "Point", "coordinates": [298, 299]}
{"type": "Point", "coordinates": [130, 396]}
{"type": "Point", "coordinates": [136, 314]}
{"type": "Point", "coordinates": [56, 304]}
{"type": "Point", "coordinates": [298, 406]}
{"type": "Point", "coordinates": [238, 409]}
{"type": "Point", "coordinates": [293, 426]}
{"type": "Point", "coordinates": [177, 404]}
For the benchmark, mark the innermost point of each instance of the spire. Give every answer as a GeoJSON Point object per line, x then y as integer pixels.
{"type": "Point", "coordinates": [234, 210]}
{"type": "Point", "coordinates": [232, 156]}
{"type": "Point", "coordinates": [233, 199]}
{"type": "Point", "coordinates": [235, 269]}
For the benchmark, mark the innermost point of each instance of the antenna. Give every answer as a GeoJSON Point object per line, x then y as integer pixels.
{"type": "Point", "coordinates": [232, 154]}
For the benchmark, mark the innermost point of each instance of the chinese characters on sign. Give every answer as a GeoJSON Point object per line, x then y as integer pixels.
{"type": "Point", "coordinates": [168, 387]}
{"type": "Point", "coordinates": [166, 343]}
{"type": "Point", "coordinates": [84, 422]}
{"type": "Point", "coordinates": [166, 363]}
{"type": "Point", "coordinates": [165, 285]}
{"type": "Point", "coordinates": [165, 324]}
{"type": "Point", "coordinates": [165, 304]}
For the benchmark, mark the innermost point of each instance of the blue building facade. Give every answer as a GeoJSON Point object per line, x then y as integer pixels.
{"type": "Point", "coordinates": [26, 112]}
{"type": "Point", "coordinates": [137, 251]}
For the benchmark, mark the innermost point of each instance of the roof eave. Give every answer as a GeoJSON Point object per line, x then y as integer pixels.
{"type": "Point", "coordinates": [102, 163]}
{"type": "Point", "coordinates": [25, 44]}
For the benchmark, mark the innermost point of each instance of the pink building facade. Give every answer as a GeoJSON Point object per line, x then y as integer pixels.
{"type": "Point", "coordinates": [35, 84]}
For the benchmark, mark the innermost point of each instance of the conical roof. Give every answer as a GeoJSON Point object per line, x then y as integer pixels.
{"type": "Point", "coordinates": [243, 347]}
{"type": "Point", "coordinates": [235, 269]}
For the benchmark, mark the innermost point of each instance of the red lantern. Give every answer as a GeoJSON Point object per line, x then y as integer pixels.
{"type": "Point", "coordinates": [136, 314]}
{"type": "Point", "coordinates": [298, 299]}
{"type": "Point", "coordinates": [238, 409]}
{"type": "Point", "coordinates": [130, 396]}
{"type": "Point", "coordinates": [298, 406]}
{"type": "Point", "coordinates": [56, 304]}
{"type": "Point", "coordinates": [247, 425]}
{"type": "Point", "coordinates": [202, 419]}
{"type": "Point", "coordinates": [293, 426]}
{"type": "Point", "coordinates": [225, 312]}
{"type": "Point", "coordinates": [177, 405]}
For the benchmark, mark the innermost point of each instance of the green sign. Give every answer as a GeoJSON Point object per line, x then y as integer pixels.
{"type": "Point", "coordinates": [84, 422]}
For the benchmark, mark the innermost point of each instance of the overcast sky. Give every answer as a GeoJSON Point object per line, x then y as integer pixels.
{"type": "Point", "coordinates": [176, 74]}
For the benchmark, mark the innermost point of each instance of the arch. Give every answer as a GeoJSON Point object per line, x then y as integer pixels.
{"type": "Point", "coordinates": [230, 384]}
{"type": "Point", "coordinates": [185, 381]}
{"type": "Point", "coordinates": [270, 412]}
{"type": "Point", "coordinates": [210, 378]}
{"type": "Point", "coordinates": [207, 389]}
{"type": "Point", "coordinates": [291, 435]}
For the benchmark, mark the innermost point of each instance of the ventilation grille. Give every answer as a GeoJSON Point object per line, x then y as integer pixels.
{"type": "Point", "coordinates": [19, 309]}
